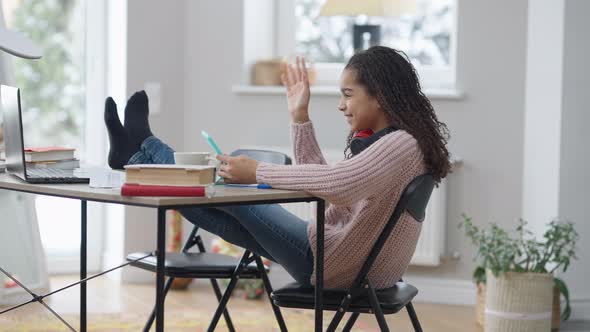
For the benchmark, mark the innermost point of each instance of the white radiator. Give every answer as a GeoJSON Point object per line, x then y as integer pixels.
{"type": "Point", "coordinates": [431, 243]}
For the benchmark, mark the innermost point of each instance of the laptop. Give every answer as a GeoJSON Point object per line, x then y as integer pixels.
{"type": "Point", "coordinates": [14, 145]}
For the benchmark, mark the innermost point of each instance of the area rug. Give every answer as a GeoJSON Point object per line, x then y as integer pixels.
{"type": "Point", "coordinates": [193, 321]}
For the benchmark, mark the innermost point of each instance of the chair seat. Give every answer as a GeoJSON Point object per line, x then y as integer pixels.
{"type": "Point", "coordinates": [195, 265]}
{"type": "Point", "coordinates": [392, 299]}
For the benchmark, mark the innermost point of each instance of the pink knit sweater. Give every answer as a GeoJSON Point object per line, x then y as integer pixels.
{"type": "Point", "coordinates": [362, 192]}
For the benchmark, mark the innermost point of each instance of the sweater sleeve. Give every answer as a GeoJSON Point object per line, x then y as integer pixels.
{"type": "Point", "coordinates": [352, 180]}
{"type": "Point", "coordinates": [306, 149]}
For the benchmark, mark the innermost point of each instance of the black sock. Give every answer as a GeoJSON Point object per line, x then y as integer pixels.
{"type": "Point", "coordinates": [121, 148]}
{"type": "Point", "coordinates": [136, 118]}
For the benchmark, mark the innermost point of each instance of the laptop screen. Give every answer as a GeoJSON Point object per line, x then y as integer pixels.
{"type": "Point", "coordinates": [13, 130]}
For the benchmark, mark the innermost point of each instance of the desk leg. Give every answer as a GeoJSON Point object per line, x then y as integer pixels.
{"type": "Point", "coordinates": [319, 267]}
{"type": "Point", "coordinates": [83, 253]}
{"type": "Point", "coordinates": [161, 255]}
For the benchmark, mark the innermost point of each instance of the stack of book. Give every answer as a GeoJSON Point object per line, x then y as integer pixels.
{"type": "Point", "coordinates": [53, 157]}
{"type": "Point", "coordinates": [167, 180]}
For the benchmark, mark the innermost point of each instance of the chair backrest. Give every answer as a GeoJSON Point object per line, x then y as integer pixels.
{"type": "Point", "coordinates": [266, 156]}
{"type": "Point", "coordinates": [414, 199]}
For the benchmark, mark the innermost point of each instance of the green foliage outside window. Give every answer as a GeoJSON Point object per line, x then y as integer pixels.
{"type": "Point", "coordinates": [52, 88]}
{"type": "Point", "coordinates": [425, 36]}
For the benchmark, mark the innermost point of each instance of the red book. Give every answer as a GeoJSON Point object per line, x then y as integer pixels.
{"type": "Point", "coordinates": [131, 189]}
{"type": "Point", "coordinates": [48, 149]}
{"type": "Point", "coordinates": [51, 153]}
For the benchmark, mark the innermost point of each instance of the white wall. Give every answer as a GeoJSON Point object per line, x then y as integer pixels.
{"type": "Point", "coordinates": [555, 180]}
{"type": "Point", "coordinates": [155, 53]}
{"type": "Point", "coordinates": [486, 127]}
{"type": "Point", "coordinates": [543, 112]}
{"type": "Point", "coordinates": [574, 180]}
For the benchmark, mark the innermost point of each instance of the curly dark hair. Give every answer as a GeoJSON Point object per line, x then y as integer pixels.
{"type": "Point", "coordinates": [388, 75]}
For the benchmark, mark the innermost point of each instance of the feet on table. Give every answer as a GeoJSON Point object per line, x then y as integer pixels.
{"type": "Point", "coordinates": [126, 140]}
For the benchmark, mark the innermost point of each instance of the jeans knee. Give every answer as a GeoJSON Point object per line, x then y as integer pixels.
{"type": "Point", "coordinates": [199, 217]}
{"type": "Point", "coordinates": [234, 210]}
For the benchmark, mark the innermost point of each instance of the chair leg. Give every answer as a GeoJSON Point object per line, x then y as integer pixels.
{"type": "Point", "coordinates": [350, 322]}
{"type": "Point", "coordinates": [150, 320]}
{"type": "Point", "coordinates": [335, 321]}
{"type": "Point", "coordinates": [413, 317]}
{"type": "Point", "coordinates": [225, 298]}
{"type": "Point", "coordinates": [196, 239]}
{"type": "Point", "coordinates": [340, 313]}
{"type": "Point", "coordinates": [268, 288]}
{"type": "Point", "coordinates": [377, 310]}
{"type": "Point", "coordinates": [230, 324]}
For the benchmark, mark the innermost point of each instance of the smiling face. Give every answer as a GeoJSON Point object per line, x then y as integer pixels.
{"type": "Point", "coordinates": [362, 111]}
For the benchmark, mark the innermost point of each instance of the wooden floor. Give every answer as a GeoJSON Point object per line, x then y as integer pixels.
{"type": "Point", "coordinates": [108, 296]}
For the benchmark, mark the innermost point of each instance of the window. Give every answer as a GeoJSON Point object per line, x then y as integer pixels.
{"type": "Point", "coordinates": [427, 36]}
{"type": "Point", "coordinates": [59, 94]}
{"type": "Point", "coordinates": [53, 88]}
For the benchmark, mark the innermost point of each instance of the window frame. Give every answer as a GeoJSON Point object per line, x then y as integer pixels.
{"type": "Point", "coordinates": [282, 39]}
{"type": "Point", "coordinates": [67, 260]}
{"type": "Point", "coordinates": [95, 145]}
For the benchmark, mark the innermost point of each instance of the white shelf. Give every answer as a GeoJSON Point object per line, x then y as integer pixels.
{"type": "Point", "coordinates": [330, 90]}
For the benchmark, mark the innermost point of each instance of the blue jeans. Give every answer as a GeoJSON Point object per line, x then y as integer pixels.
{"type": "Point", "coordinates": [267, 230]}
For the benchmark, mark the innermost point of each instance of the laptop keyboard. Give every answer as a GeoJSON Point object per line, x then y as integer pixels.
{"type": "Point", "coordinates": [52, 175]}
{"type": "Point", "coordinates": [49, 173]}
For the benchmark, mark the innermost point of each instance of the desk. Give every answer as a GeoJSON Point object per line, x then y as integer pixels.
{"type": "Point", "coordinates": [223, 196]}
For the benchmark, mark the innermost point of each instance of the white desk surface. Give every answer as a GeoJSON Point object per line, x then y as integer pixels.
{"type": "Point", "coordinates": [223, 194]}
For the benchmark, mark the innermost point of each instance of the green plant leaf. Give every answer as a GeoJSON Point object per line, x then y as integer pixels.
{"type": "Point", "coordinates": [479, 275]}
{"type": "Point", "coordinates": [567, 311]}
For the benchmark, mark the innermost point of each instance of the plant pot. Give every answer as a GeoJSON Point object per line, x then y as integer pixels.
{"type": "Point", "coordinates": [480, 306]}
{"type": "Point", "coordinates": [518, 302]}
{"type": "Point", "coordinates": [556, 311]}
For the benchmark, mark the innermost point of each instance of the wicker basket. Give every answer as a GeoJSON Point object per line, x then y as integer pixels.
{"type": "Point", "coordinates": [268, 72]}
{"type": "Point", "coordinates": [480, 306]}
{"type": "Point", "coordinates": [518, 302]}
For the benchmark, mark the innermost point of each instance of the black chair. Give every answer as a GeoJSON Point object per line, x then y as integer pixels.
{"type": "Point", "coordinates": [204, 265]}
{"type": "Point", "coordinates": [362, 297]}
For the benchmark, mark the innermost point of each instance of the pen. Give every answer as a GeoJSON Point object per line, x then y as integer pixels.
{"type": "Point", "coordinates": [214, 146]}
{"type": "Point", "coordinates": [211, 142]}
{"type": "Point", "coordinates": [259, 186]}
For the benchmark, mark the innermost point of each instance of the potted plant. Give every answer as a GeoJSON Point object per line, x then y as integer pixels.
{"type": "Point", "coordinates": [517, 271]}
{"type": "Point", "coordinates": [479, 277]}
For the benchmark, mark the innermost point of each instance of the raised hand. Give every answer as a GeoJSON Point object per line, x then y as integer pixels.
{"type": "Point", "coordinates": [297, 83]}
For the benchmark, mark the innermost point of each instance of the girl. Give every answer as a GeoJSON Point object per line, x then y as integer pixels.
{"type": "Point", "coordinates": [380, 92]}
